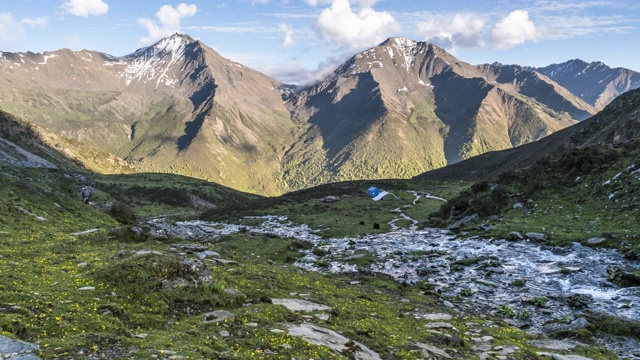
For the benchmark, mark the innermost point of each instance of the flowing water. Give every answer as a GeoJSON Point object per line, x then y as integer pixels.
{"type": "Point", "coordinates": [528, 282]}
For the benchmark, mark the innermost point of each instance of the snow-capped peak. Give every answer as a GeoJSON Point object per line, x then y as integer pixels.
{"type": "Point", "coordinates": [152, 63]}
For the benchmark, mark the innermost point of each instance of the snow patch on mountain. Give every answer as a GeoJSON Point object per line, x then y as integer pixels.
{"type": "Point", "coordinates": [153, 62]}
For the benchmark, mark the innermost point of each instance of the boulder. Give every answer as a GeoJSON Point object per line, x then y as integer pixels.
{"type": "Point", "coordinates": [535, 236]}
{"type": "Point", "coordinates": [325, 337]}
{"type": "Point", "coordinates": [218, 316]}
{"type": "Point", "coordinates": [514, 236]}
{"type": "Point", "coordinates": [300, 305]}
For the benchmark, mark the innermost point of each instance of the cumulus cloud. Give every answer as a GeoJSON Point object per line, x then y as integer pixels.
{"type": "Point", "coordinates": [85, 8]}
{"type": "Point", "coordinates": [40, 21]}
{"type": "Point", "coordinates": [342, 27]}
{"type": "Point", "coordinates": [169, 19]}
{"type": "Point", "coordinates": [9, 28]}
{"type": "Point", "coordinates": [288, 35]}
{"type": "Point", "coordinates": [462, 30]}
{"type": "Point", "coordinates": [515, 29]}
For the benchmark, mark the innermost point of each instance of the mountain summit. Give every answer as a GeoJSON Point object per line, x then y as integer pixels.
{"type": "Point", "coordinates": [594, 82]}
{"type": "Point", "coordinates": [405, 107]}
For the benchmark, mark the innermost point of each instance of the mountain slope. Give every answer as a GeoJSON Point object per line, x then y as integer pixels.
{"type": "Point", "coordinates": [594, 82]}
{"type": "Point", "coordinates": [618, 123]}
{"type": "Point", "coordinates": [176, 106]}
{"type": "Point", "coordinates": [405, 107]}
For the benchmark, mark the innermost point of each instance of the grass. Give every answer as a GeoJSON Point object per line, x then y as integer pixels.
{"type": "Point", "coordinates": [132, 310]}
{"type": "Point", "coordinates": [592, 192]}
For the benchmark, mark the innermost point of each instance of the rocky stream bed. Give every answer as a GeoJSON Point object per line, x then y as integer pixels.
{"type": "Point", "coordinates": [535, 287]}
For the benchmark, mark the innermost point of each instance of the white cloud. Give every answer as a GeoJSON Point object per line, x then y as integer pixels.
{"type": "Point", "coordinates": [86, 7]}
{"type": "Point", "coordinates": [362, 3]}
{"type": "Point", "coordinates": [288, 35]}
{"type": "Point", "coordinates": [10, 29]}
{"type": "Point", "coordinates": [515, 29]}
{"type": "Point", "coordinates": [462, 30]}
{"type": "Point", "coordinates": [40, 21]}
{"type": "Point", "coordinates": [339, 26]}
{"type": "Point", "coordinates": [169, 19]}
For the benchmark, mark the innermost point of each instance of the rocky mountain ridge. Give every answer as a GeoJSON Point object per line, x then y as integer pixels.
{"type": "Point", "coordinates": [393, 111]}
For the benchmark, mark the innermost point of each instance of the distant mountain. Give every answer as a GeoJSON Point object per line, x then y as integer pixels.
{"type": "Point", "coordinates": [405, 107]}
{"type": "Point", "coordinates": [594, 82]}
{"type": "Point", "coordinates": [176, 106]}
{"type": "Point", "coordinates": [617, 124]}
{"type": "Point", "coordinates": [393, 111]}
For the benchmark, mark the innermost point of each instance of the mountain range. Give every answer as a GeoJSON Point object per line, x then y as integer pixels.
{"type": "Point", "coordinates": [393, 111]}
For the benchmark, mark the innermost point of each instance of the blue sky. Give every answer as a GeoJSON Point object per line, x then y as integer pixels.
{"type": "Point", "coordinates": [297, 41]}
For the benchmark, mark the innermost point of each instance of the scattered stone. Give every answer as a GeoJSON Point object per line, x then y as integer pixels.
{"type": "Point", "coordinates": [208, 254]}
{"type": "Point", "coordinates": [329, 199]}
{"type": "Point", "coordinates": [430, 350]}
{"type": "Point", "coordinates": [448, 304]}
{"type": "Point", "coordinates": [595, 241]}
{"type": "Point", "coordinates": [225, 262]}
{"type": "Point", "coordinates": [439, 325]}
{"type": "Point", "coordinates": [251, 324]}
{"type": "Point", "coordinates": [562, 357]}
{"type": "Point", "coordinates": [218, 316]}
{"type": "Point", "coordinates": [466, 221]}
{"type": "Point", "coordinates": [300, 305]}
{"type": "Point", "coordinates": [286, 346]}
{"type": "Point", "coordinates": [324, 317]}
{"type": "Point", "coordinates": [224, 333]}
{"type": "Point", "coordinates": [432, 317]}
{"type": "Point", "coordinates": [84, 232]}
{"type": "Point", "coordinates": [518, 205]}
{"type": "Point", "coordinates": [87, 288]}
{"type": "Point", "coordinates": [579, 300]}
{"type": "Point", "coordinates": [557, 345]}
{"type": "Point", "coordinates": [324, 337]}
{"type": "Point", "coordinates": [190, 247]}
{"type": "Point", "coordinates": [514, 236]}
{"type": "Point", "coordinates": [17, 349]}
{"type": "Point", "coordinates": [536, 236]}
{"type": "Point", "coordinates": [277, 331]}
{"type": "Point", "coordinates": [146, 252]}
{"type": "Point", "coordinates": [575, 325]}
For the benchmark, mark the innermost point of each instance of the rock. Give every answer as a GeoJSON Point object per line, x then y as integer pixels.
{"type": "Point", "coordinates": [146, 252]}
{"type": "Point", "coordinates": [224, 333]}
{"type": "Point", "coordinates": [324, 317]}
{"type": "Point", "coordinates": [535, 236]}
{"type": "Point", "coordinates": [87, 288]}
{"type": "Point", "coordinates": [277, 331]}
{"type": "Point", "coordinates": [300, 305]}
{"type": "Point", "coordinates": [448, 304]}
{"type": "Point", "coordinates": [225, 262]}
{"type": "Point", "coordinates": [218, 316]}
{"type": "Point", "coordinates": [324, 337]}
{"type": "Point", "coordinates": [579, 300]}
{"type": "Point", "coordinates": [208, 254]}
{"type": "Point", "coordinates": [439, 325]}
{"type": "Point", "coordinates": [430, 350]}
{"type": "Point", "coordinates": [575, 325]}
{"type": "Point", "coordinates": [562, 357]}
{"type": "Point", "coordinates": [595, 241]}
{"type": "Point", "coordinates": [518, 205]}
{"type": "Point", "coordinates": [432, 317]}
{"type": "Point", "coordinates": [557, 345]}
{"type": "Point", "coordinates": [329, 199]}
{"type": "Point", "coordinates": [514, 236]}
{"type": "Point", "coordinates": [190, 247]}
{"type": "Point", "coordinates": [466, 221]}
{"type": "Point", "coordinates": [17, 349]}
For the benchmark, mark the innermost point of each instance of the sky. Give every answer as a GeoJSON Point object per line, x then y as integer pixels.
{"type": "Point", "coordinates": [299, 41]}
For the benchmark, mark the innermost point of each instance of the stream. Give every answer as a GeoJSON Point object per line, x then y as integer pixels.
{"type": "Point", "coordinates": [528, 283]}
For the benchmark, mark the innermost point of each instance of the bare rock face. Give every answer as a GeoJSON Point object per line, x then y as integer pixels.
{"type": "Point", "coordinates": [331, 339]}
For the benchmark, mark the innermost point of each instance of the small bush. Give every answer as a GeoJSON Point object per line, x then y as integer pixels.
{"type": "Point", "coordinates": [123, 213]}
